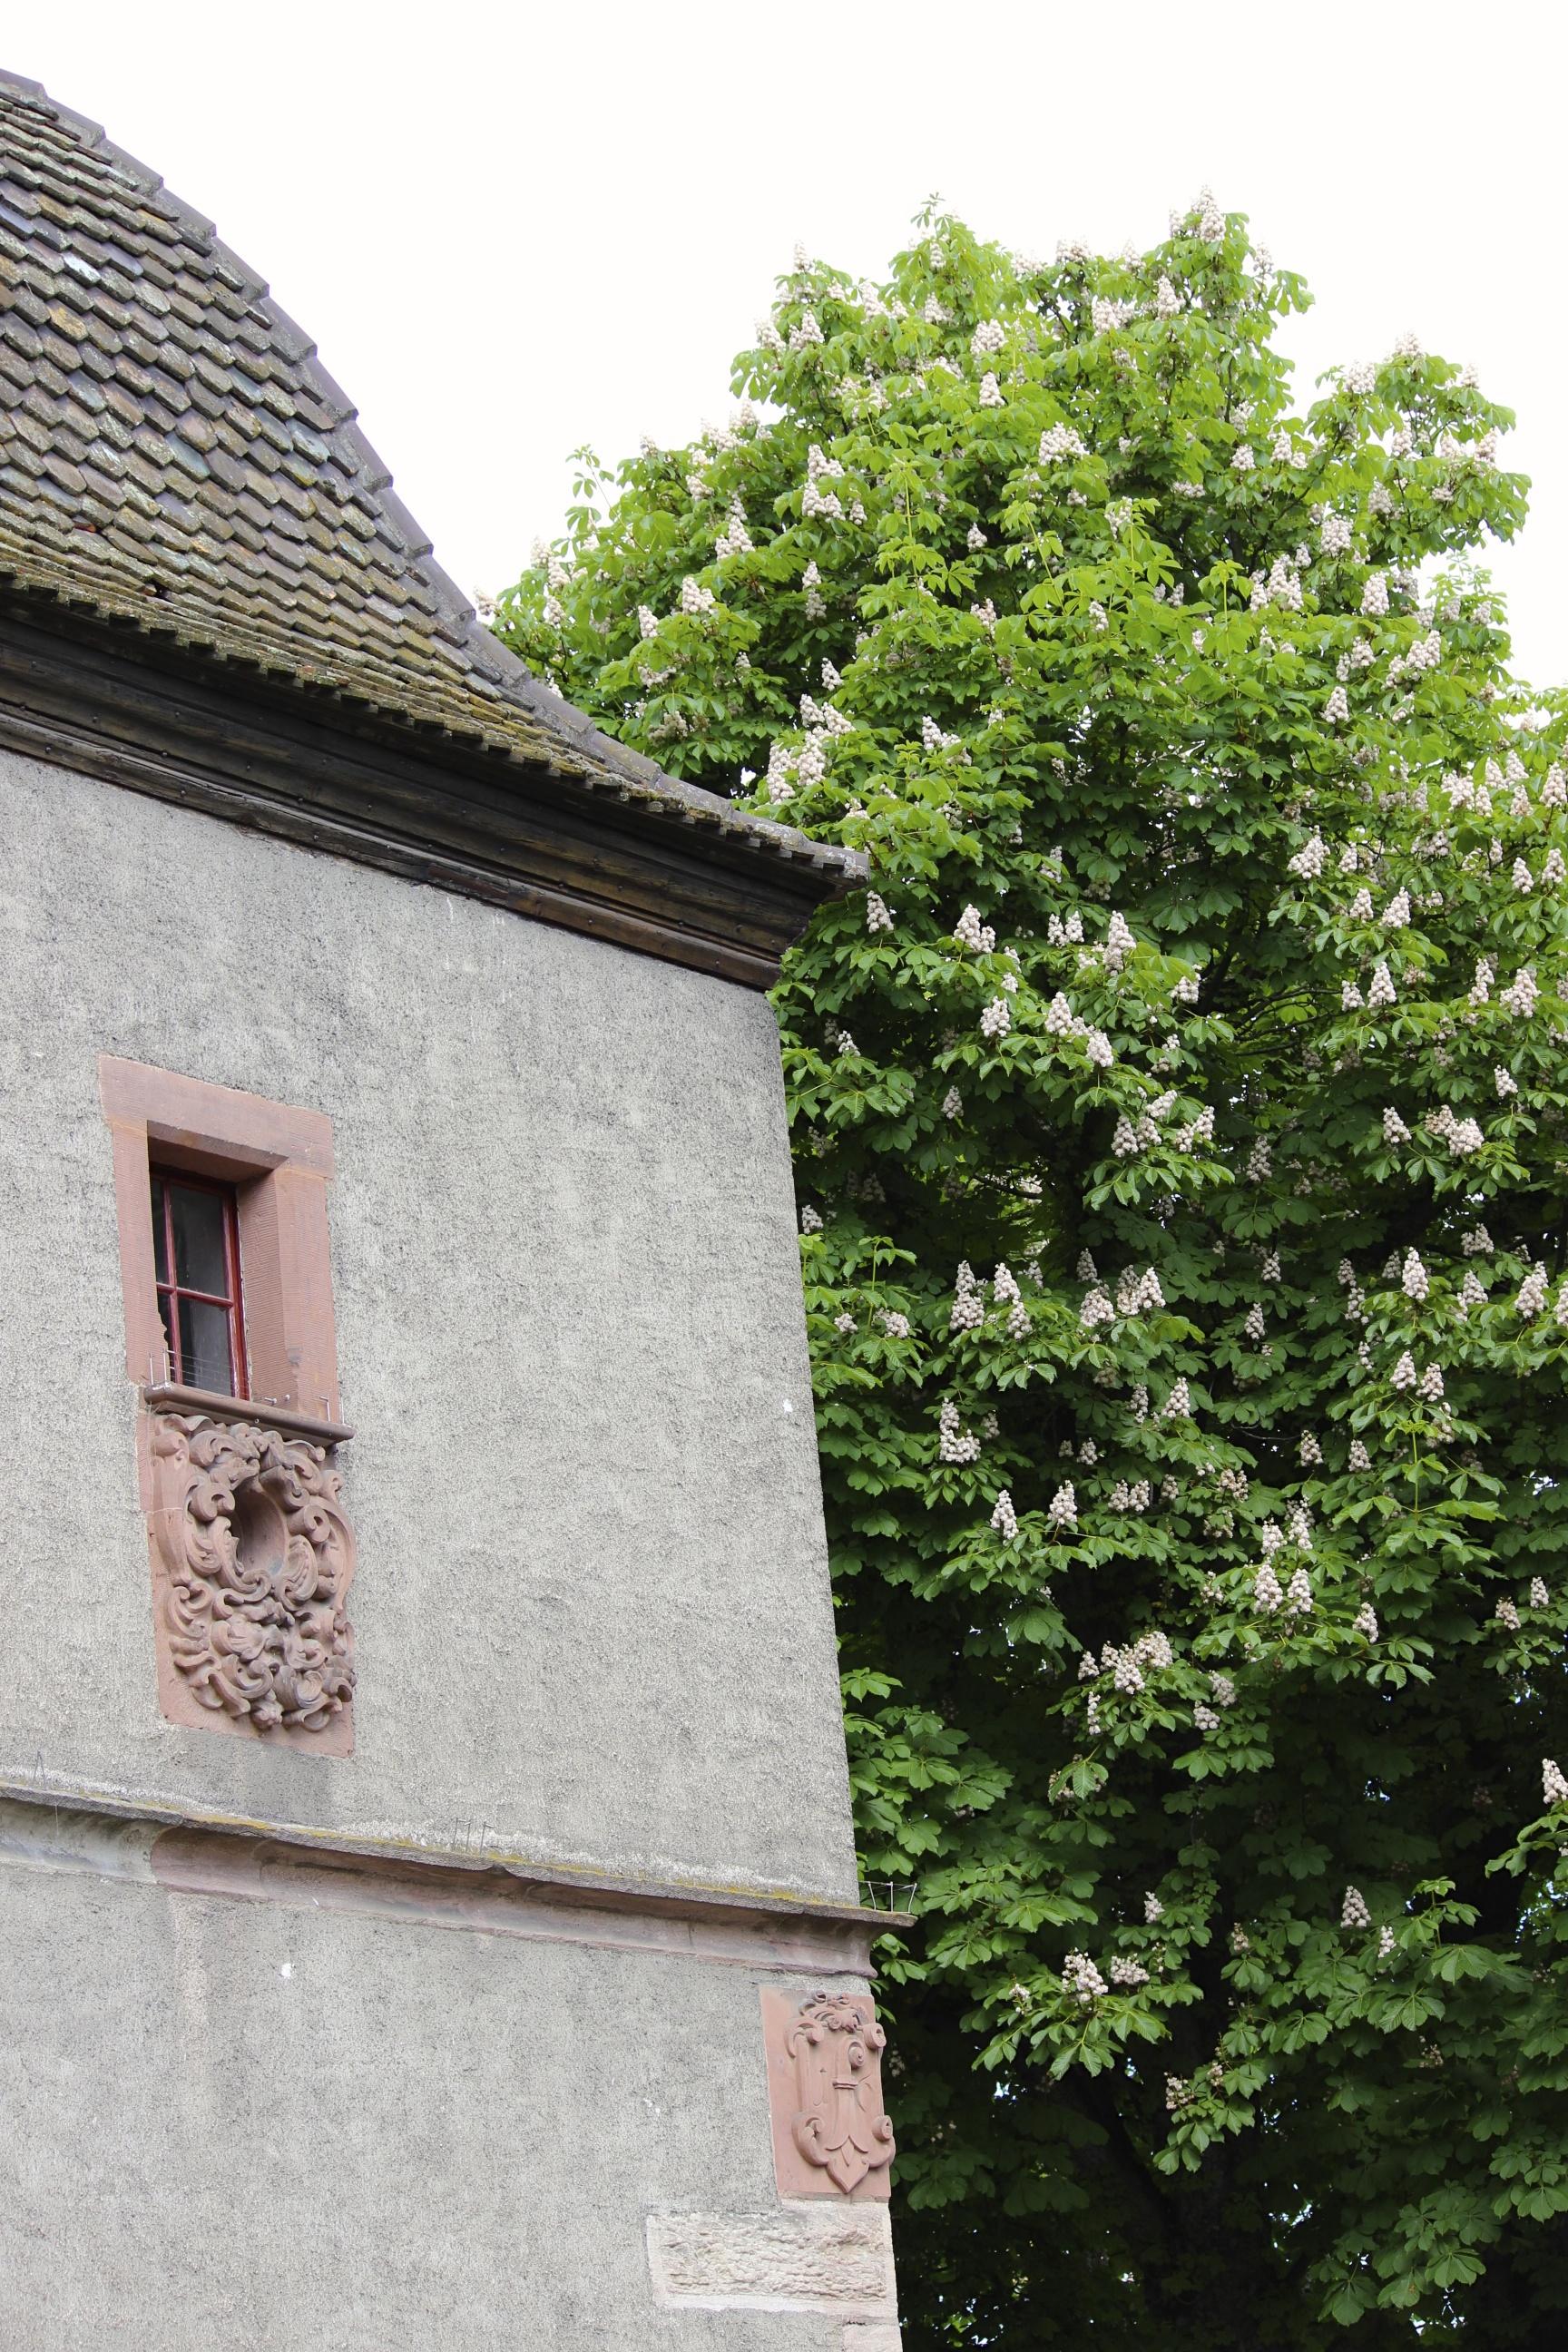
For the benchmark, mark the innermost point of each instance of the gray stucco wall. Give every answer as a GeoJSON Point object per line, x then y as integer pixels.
{"type": "Point", "coordinates": [592, 1611]}
{"type": "Point", "coordinates": [290, 2131]}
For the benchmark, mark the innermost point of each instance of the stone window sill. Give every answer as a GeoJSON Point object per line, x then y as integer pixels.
{"type": "Point", "coordinates": [168, 1396]}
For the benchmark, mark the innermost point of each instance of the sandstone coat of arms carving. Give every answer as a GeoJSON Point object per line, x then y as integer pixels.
{"type": "Point", "coordinates": [831, 2131]}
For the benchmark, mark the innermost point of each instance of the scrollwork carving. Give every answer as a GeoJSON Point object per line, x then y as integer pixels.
{"type": "Point", "coordinates": [258, 1553]}
{"type": "Point", "coordinates": [839, 2125]}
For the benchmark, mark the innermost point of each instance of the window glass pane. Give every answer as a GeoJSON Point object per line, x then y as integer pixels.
{"type": "Point", "coordinates": [165, 1312]}
{"type": "Point", "coordinates": [200, 1263]}
{"type": "Point", "coordinates": [204, 1344]}
{"type": "Point", "coordinates": [160, 1236]}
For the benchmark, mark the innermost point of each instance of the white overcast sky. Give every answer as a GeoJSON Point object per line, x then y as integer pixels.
{"type": "Point", "coordinates": [514, 228]}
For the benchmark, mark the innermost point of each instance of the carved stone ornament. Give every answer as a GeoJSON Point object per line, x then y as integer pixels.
{"type": "Point", "coordinates": [257, 1555]}
{"type": "Point", "coordinates": [830, 2129]}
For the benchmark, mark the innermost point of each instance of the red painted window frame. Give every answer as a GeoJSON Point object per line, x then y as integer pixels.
{"type": "Point", "coordinates": [174, 1290]}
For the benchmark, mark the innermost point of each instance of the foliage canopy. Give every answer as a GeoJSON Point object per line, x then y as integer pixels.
{"type": "Point", "coordinates": [1181, 1138]}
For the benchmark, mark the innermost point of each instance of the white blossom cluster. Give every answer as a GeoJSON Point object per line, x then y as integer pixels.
{"type": "Point", "coordinates": [735, 539]}
{"type": "Point", "coordinates": [970, 932]}
{"type": "Point", "coordinates": [1138, 1293]}
{"type": "Point", "coordinates": [1006, 1291]}
{"type": "Point", "coordinates": [953, 1443]}
{"type": "Point", "coordinates": [781, 762]}
{"type": "Point", "coordinates": [1119, 943]}
{"type": "Point", "coordinates": [1554, 1787]}
{"type": "Point", "coordinates": [1059, 441]}
{"type": "Point", "coordinates": [877, 916]}
{"type": "Point", "coordinates": [1211, 220]}
{"type": "Point", "coordinates": [1462, 1136]}
{"type": "Point", "coordinates": [1354, 1913]}
{"type": "Point", "coordinates": [1136, 1497]}
{"type": "Point", "coordinates": [1062, 1022]}
{"type": "Point", "coordinates": [1520, 999]}
{"type": "Point", "coordinates": [1003, 1518]}
{"type": "Point", "coordinates": [1081, 1980]}
{"type": "Point", "coordinates": [1531, 1296]}
{"type": "Point", "coordinates": [968, 1301]}
{"type": "Point", "coordinates": [1282, 587]}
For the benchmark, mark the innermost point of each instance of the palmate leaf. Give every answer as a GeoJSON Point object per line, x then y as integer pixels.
{"type": "Point", "coordinates": [1130, 676]}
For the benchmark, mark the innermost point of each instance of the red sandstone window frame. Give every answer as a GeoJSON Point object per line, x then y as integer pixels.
{"type": "Point", "coordinates": [277, 1161]}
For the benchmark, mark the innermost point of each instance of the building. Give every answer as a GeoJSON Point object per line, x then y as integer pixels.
{"type": "Point", "coordinates": [427, 1907]}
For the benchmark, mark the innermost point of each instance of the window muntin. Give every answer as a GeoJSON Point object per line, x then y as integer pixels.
{"type": "Point", "coordinates": [196, 1251]}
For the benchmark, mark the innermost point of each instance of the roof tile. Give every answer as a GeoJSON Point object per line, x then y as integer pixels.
{"type": "Point", "coordinates": [241, 511]}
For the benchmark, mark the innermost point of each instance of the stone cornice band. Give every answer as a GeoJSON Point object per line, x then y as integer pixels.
{"type": "Point", "coordinates": [63, 1827]}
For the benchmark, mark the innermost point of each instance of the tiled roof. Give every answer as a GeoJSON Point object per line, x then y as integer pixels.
{"type": "Point", "coordinates": [172, 455]}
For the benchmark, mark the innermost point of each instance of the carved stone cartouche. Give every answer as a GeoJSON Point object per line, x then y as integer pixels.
{"type": "Point", "coordinates": [258, 1552]}
{"type": "Point", "coordinates": [840, 2123]}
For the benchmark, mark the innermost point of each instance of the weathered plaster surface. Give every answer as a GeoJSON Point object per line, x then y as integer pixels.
{"type": "Point", "coordinates": [591, 1617]}
{"type": "Point", "coordinates": [237, 2124]}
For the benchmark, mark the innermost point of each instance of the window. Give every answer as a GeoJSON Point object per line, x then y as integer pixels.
{"type": "Point", "coordinates": [195, 1253]}
{"type": "Point", "coordinates": [209, 1181]}
{"type": "Point", "coordinates": [202, 1150]}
